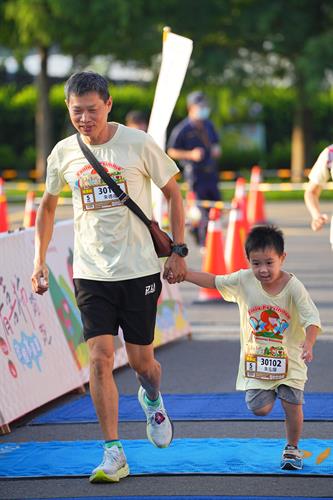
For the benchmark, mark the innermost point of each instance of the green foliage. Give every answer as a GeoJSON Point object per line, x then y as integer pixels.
{"type": "Point", "coordinates": [229, 107]}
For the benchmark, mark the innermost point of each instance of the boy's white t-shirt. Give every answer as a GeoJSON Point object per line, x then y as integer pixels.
{"type": "Point", "coordinates": [323, 168]}
{"type": "Point", "coordinates": [110, 242]}
{"type": "Point", "coordinates": [271, 320]}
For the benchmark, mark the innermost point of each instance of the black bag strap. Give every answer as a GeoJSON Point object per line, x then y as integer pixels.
{"type": "Point", "coordinates": [121, 195]}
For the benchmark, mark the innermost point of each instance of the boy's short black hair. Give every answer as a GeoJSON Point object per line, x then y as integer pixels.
{"type": "Point", "coordinates": [261, 237]}
{"type": "Point", "coordinates": [87, 81]}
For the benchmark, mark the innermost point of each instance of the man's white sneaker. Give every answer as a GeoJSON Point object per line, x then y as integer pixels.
{"type": "Point", "coordinates": [113, 467]}
{"type": "Point", "coordinates": [159, 425]}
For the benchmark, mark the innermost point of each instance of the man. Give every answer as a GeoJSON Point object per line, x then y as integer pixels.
{"type": "Point", "coordinates": [195, 143]}
{"type": "Point", "coordinates": [320, 173]}
{"type": "Point", "coordinates": [116, 270]}
{"type": "Point", "coordinates": [136, 119]}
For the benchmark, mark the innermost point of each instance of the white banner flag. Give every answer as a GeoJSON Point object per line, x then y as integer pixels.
{"type": "Point", "coordinates": [176, 55]}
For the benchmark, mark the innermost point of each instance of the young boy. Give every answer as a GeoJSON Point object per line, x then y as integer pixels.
{"type": "Point", "coordinates": [279, 326]}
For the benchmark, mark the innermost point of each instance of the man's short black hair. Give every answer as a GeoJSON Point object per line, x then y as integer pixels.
{"type": "Point", "coordinates": [87, 81]}
{"type": "Point", "coordinates": [262, 237]}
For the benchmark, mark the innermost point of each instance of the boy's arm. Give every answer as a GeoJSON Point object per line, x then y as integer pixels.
{"type": "Point", "coordinates": [310, 339]}
{"type": "Point", "coordinates": [205, 280]}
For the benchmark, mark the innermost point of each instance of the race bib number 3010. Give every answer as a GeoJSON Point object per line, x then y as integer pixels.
{"type": "Point", "coordinates": [100, 196]}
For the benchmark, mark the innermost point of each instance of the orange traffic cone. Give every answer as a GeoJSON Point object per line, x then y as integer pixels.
{"type": "Point", "coordinates": [256, 200]}
{"type": "Point", "coordinates": [235, 258]}
{"type": "Point", "coordinates": [214, 257]}
{"type": "Point", "coordinates": [4, 226]}
{"type": "Point", "coordinates": [240, 196]}
{"type": "Point", "coordinates": [30, 210]}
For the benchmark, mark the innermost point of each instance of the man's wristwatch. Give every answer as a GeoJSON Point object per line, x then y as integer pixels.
{"type": "Point", "coordinates": [181, 250]}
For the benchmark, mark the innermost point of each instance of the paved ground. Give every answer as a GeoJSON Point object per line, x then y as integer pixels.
{"type": "Point", "coordinates": [208, 363]}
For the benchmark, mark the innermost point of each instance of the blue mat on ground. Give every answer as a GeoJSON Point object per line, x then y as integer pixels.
{"type": "Point", "coordinates": [184, 456]}
{"type": "Point", "coordinates": [219, 406]}
{"type": "Point", "coordinates": [182, 497]}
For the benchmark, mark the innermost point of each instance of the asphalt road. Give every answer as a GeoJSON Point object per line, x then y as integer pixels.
{"type": "Point", "coordinates": [208, 363]}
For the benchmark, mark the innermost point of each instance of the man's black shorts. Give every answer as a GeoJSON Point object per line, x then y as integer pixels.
{"type": "Point", "coordinates": [130, 304]}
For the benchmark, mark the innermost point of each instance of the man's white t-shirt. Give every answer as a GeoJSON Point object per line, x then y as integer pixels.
{"type": "Point", "coordinates": [271, 322]}
{"type": "Point", "coordinates": [110, 242]}
{"type": "Point", "coordinates": [323, 168]}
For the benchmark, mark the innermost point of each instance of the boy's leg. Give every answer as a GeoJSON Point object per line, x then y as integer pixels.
{"type": "Point", "coordinates": [292, 401]}
{"type": "Point", "coordinates": [260, 401]}
{"type": "Point", "coordinates": [294, 422]}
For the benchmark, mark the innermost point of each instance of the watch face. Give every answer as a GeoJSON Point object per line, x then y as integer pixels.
{"type": "Point", "coordinates": [181, 250]}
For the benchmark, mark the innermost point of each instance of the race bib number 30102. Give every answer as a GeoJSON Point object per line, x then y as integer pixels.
{"type": "Point", "coordinates": [265, 367]}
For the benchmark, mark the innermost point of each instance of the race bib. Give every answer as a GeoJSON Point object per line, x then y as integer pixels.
{"type": "Point", "coordinates": [101, 196]}
{"type": "Point", "coordinates": [266, 363]}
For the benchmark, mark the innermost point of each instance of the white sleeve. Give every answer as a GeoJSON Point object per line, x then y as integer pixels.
{"type": "Point", "coordinates": [320, 171]}
{"type": "Point", "coordinates": [158, 165]}
{"type": "Point", "coordinates": [54, 180]}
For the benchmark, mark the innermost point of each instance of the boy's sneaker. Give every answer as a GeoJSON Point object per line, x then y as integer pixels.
{"type": "Point", "coordinates": [159, 426]}
{"type": "Point", "coordinates": [292, 458]}
{"type": "Point", "coordinates": [113, 467]}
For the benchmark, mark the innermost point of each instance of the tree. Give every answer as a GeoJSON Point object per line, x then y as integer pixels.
{"type": "Point", "coordinates": [80, 29]}
{"type": "Point", "coordinates": [259, 41]}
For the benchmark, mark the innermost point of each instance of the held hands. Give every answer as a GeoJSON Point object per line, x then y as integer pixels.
{"type": "Point", "coordinates": [40, 279]}
{"type": "Point", "coordinates": [174, 269]}
{"type": "Point", "coordinates": [318, 222]}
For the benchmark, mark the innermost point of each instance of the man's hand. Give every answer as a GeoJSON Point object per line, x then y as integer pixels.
{"type": "Point", "coordinates": [197, 154]}
{"type": "Point", "coordinates": [40, 279]}
{"type": "Point", "coordinates": [318, 222]}
{"type": "Point", "coordinates": [174, 269]}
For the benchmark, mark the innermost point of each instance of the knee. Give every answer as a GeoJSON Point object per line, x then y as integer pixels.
{"type": "Point", "coordinates": [101, 364]}
{"type": "Point", "coordinates": [145, 368]}
{"type": "Point", "coordinates": [262, 412]}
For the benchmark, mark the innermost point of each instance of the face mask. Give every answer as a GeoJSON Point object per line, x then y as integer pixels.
{"type": "Point", "coordinates": [203, 113]}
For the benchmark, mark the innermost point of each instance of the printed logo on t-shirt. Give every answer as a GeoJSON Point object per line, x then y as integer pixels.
{"type": "Point", "coordinates": [268, 322]}
{"type": "Point", "coordinates": [95, 194]}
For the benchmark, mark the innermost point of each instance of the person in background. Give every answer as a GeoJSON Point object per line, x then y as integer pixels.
{"type": "Point", "coordinates": [136, 119]}
{"type": "Point", "coordinates": [320, 173]}
{"type": "Point", "coordinates": [116, 270]}
{"type": "Point", "coordinates": [194, 142]}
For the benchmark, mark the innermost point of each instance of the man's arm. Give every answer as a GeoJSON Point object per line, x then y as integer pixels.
{"type": "Point", "coordinates": [43, 234]}
{"type": "Point", "coordinates": [311, 198]}
{"type": "Point", "coordinates": [195, 154]}
{"type": "Point", "coordinates": [175, 266]}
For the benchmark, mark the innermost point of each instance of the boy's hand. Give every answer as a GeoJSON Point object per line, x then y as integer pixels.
{"type": "Point", "coordinates": [307, 352]}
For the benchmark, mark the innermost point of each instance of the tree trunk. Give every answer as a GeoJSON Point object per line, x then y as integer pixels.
{"type": "Point", "coordinates": [43, 117]}
{"type": "Point", "coordinates": [301, 138]}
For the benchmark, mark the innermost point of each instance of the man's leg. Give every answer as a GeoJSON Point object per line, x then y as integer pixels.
{"type": "Point", "coordinates": [148, 370]}
{"type": "Point", "coordinates": [103, 389]}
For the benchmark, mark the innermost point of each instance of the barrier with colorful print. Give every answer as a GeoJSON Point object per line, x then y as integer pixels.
{"type": "Point", "coordinates": [42, 351]}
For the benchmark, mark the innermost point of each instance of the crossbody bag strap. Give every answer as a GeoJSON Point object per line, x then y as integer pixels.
{"type": "Point", "coordinates": [121, 195]}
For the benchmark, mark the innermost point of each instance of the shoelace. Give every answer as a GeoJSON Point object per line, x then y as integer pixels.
{"type": "Point", "coordinates": [152, 413]}
{"type": "Point", "coordinates": [111, 455]}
